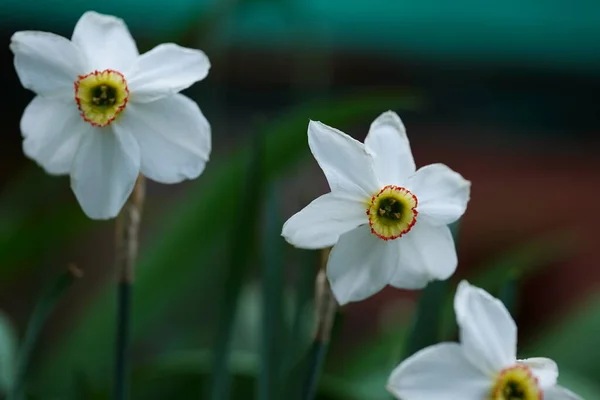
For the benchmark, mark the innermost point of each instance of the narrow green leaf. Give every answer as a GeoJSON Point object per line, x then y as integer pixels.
{"type": "Point", "coordinates": [8, 354]}
{"type": "Point", "coordinates": [241, 255]}
{"type": "Point", "coordinates": [316, 360]}
{"type": "Point", "coordinates": [272, 329]}
{"type": "Point", "coordinates": [300, 338]}
{"type": "Point", "coordinates": [44, 307]}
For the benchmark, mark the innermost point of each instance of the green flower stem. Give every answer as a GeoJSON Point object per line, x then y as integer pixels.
{"type": "Point", "coordinates": [326, 306]}
{"type": "Point", "coordinates": [127, 232]}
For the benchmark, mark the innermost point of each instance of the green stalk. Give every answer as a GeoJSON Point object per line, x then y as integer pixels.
{"type": "Point", "coordinates": [127, 232]}
{"type": "Point", "coordinates": [326, 306]}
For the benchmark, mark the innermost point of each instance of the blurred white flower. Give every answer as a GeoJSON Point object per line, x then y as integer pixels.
{"type": "Point", "coordinates": [104, 113]}
{"type": "Point", "coordinates": [387, 222]}
{"type": "Point", "coordinates": [483, 366]}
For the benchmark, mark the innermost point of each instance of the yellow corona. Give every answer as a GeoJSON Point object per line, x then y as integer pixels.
{"type": "Point", "coordinates": [392, 212]}
{"type": "Point", "coordinates": [101, 96]}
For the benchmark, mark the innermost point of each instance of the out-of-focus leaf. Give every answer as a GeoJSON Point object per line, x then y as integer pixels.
{"type": "Point", "coordinates": [302, 326]}
{"type": "Point", "coordinates": [516, 264]}
{"type": "Point", "coordinates": [273, 333]}
{"type": "Point", "coordinates": [194, 228]}
{"type": "Point", "coordinates": [44, 307]}
{"type": "Point", "coordinates": [8, 354]}
{"type": "Point", "coordinates": [242, 254]}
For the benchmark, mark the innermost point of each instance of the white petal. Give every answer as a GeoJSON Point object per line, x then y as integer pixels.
{"type": "Point", "coordinates": [52, 130]}
{"type": "Point", "coordinates": [360, 265]}
{"type": "Point", "coordinates": [442, 193]}
{"type": "Point", "coordinates": [344, 161]}
{"type": "Point", "coordinates": [488, 333]}
{"type": "Point", "coordinates": [429, 250]}
{"type": "Point", "coordinates": [105, 41]}
{"type": "Point", "coordinates": [321, 223]}
{"type": "Point", "coordinates": [392, 160]}
{"type": "Point", "coordinates": [560, 393]}
{"type": "Point", "coordinates": [173, 135]}
{"type": "Point", "coordinates": [438, 372]}
{"type": "Point", "coordinates": [47, 63]}
{"type": "Point", "coordinates": [165, 70]}
{"type": "Point", "coordinates": [409, 275]}
{"type": "Point", "coordinates": [104, 172]}
{"type": "Point", "coordinates": [544, 369]}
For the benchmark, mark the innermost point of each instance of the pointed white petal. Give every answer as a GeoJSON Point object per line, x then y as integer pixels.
{"type": "Point", "coordinates": [105, 41]}
{"type": "Point", "coordinates": [429, 251]}
{"type": "Point", "coordinates": [442, 193]}
{"type": "Point", "coordinates": [47, 63]}
{"type": "Point", "coordinates": [165, 70]}
{"type": "Point", "coordinates": [173, 135]}
{"type": "Point", "coordinates": [344, 161]}
{"type": "Point", "coordinates": [52, 130]}
{"type": "Point", "coordinates": [392, 160]}
{"type": "Point", "coordinates": [104, 172]}
{"type": "Point", "coordinates": [360, 265]}
{"type": "Point", "coordinates": [438, 372]}
{"type": "Point", "coordinates": [544, 369]}
{"type": "Point", "coordinates": [560, 393]}
{"type": "Point", "coordinates": [488, 333]}
{"type": "Point", "coordinates": [321, 223]}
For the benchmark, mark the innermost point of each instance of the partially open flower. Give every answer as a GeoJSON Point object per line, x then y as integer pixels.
{"type": "Point", "coordinates": [103, 113]}
{"type": "Point", "coordinates": [484, 366]}
{"type": "Point", "coordinates": [387, 221]}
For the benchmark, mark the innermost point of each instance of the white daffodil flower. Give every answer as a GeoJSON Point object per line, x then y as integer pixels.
{"type": "Point", "coordinates": [387, 221]}
{"type": "Point", "coordinates": [483, 366]}
{"type": "Point", "coordinates": [104, 113]}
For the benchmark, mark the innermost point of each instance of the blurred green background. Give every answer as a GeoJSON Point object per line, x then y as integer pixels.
{"type": "Point", "coordinates": [505, 93]}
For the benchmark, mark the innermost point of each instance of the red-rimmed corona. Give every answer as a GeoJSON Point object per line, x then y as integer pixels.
{"type": "Point", "coordinates": [392, 212]}
{"type": "Point", "coordinates": [516, 383]}
{"type": "Point", "coordinates": [101, 96]}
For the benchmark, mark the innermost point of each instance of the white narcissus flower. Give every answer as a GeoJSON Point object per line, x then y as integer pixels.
{"type": "Point", "coordinates": [104, 113]}
{"type": "Point", "coordinates": [387, 221]}
{"type": "Point", "coordinates": [484, 366]}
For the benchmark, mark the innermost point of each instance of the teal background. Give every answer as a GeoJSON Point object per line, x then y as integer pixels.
{"type": "Point", "coordinates": [554, 35]}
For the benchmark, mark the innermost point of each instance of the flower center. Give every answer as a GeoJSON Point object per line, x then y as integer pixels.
{"type": "Point", "coordinates": [101, 96]}
{"type": "Point", "coordinates": [392, 212]}
{"type": "Point", "coordinates": [516, 383]}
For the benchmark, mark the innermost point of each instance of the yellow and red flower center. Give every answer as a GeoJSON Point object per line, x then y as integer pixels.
{"type": "Point", "coordinates": [516, 383]}
{"type": "Point", "coordinates": [392, 212]}
{"type": "Point", "coordinates": [101, 96]}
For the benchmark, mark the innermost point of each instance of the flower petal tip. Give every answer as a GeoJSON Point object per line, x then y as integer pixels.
{"type": "Point", "coordinates": [463, 288]}
{"type": "Point", "coordinates": [99, 17]}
